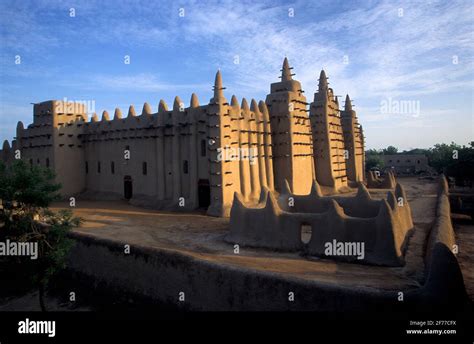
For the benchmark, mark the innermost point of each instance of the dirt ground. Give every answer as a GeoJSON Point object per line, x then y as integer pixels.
{"type": "Point", "coordinates": [202, 237]}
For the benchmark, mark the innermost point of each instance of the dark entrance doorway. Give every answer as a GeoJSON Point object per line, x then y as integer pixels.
{"type": "Point", "coordinates": [127, 187]}
{"type": "Point", "coordinates": [204, 193]}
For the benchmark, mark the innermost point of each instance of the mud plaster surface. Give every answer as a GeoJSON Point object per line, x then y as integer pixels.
{"type": "Point", "coordinates": [201, 237]}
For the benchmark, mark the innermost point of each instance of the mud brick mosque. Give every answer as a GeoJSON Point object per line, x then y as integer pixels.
{"type": "Point", "coordinates": [199, 156]}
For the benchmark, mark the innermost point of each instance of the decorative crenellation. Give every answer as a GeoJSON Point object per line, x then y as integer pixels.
{"type": "Point", "coordinates": [186, 157]}
{"type": "Point", "coordinates": [376, 182]}
{"type": "Point", "coordinates": [276, 223]}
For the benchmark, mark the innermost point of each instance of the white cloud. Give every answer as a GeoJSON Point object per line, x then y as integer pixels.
{"type": "Point", "coordinates": [408, 57]}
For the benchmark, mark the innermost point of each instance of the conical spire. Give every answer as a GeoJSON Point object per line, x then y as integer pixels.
{"type": "Point", "coordinates": [177, 103]}
{"type": "Point", "coordinates": [117, 113]}
{"type": "Point", "coordinates": [254, 106]}
{"type": "Point", "coordinates": [271, 207]}
{"type": "Point", "coordinates": [218, 89]}
{"type": "Point", "coordinates": [348, 104]}
{"type": "Point", "coordinates": [362, 192]}
{"type": "Point", "coordinates": [263, 109]}
{"type": "Point", "coordinates": [234, 102]}
{"type": "Point", "coordinates": [94, 118]}
{"type": "Point", "coordinates": [286, 71]}
{"type": "Point", "coordinates": [162, 107]}
{"type": "Point", "coordinates": [146, 109]}
{"type": "Point", "coordinates": [194, 101]}
{"type": "Point", "coordinates": [105, 116]}
{"type": "Point", "coordinates": [131, 111]}
{"type": "Point", "coordinates": [323, 80]}
{"type": "Point", "coordinates": [245, 105]}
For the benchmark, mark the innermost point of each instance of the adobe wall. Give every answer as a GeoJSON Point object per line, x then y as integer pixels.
{"type": "Point", "coordinates": [444, 285]}
{"type": "Point", "coordinates": [442, 231]}
{"type": "Point", "coordinates": [383, 226]}
{"type": "Point", "coordinates": [180, 147]}
{"type": "Point", "coordinates": [161, 274]}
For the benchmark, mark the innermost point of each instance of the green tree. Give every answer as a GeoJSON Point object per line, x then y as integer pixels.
{"type": "Point", "coordinates": [390, 150]}
{"type": "Point", "coordinates": [26, 193]}
{"type": "Point", "coordinates": [373, 161]}
{"type": "Point", "coordinates": [453, 160]}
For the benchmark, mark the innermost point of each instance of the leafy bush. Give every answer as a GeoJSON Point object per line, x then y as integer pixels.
{"type": "Point", "coordinates": [26, 192]}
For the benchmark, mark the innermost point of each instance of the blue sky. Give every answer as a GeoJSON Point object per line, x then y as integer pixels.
{"type": "Point", "coordinates": [380, 52]}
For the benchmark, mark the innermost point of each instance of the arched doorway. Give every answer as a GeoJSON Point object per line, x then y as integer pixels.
{"type": "Point", "coordinates": [127, 187]}
{"type": "Point", "coordinates": [204, 193]}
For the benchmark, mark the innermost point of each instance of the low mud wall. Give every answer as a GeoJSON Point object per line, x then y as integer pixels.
{"type": "Point", "coordinates": [442, 231]}
{"type": "Point", "coordinates": [444, 281]}
{"type": "Point", "coordinates": [162, 275]}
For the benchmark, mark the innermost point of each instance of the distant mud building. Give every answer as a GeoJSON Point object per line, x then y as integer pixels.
{"type": "Point", "coordinates": [406, 163]}
{"type": "Point", "coordinates": [198, 156]}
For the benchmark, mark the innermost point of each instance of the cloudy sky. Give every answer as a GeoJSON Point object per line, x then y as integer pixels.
{"type": "Point", "coordinates": [408, 66]}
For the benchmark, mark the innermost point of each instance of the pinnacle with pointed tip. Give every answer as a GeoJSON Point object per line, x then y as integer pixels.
{"type": "Point", "coordinates": [117, 113]}
{"type": "Point", "coordinates": [218, 89]}
{"type": "Point", "coordinates": [19, 125]}
{"type": "Point", "coordinates": [131, 111]}
{"type": "Point", "coordinates": [146, 109]}
{"type": "Point", "coordinates": [272, 205]}
{"type": "Point", "coordinates": [234, 102]}
{"type": "Point", "coordinates": [286, 71]}
{"type": "Point", "coordinates": [348, 104]}
{"type": "Point", "coordinates": [263, 108]}
{"type": "Point", "coordinates": [254, 106]}
{"type": "Point", "coordinates": [323, 80]}
{"type": "Point", "coordinates": [194, 101]}
{"type": "Point", "coordinates": [162, 107]}
{"type": "Point", "coordinates": [177, 103]}
{"type": "Point", "coordinates": [245, 105]}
